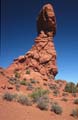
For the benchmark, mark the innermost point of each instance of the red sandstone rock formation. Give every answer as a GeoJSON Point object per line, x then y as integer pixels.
{"type": "Point", "coordinates": [41, 58]}
{"type": "Point", "coordinates": [46, 20]}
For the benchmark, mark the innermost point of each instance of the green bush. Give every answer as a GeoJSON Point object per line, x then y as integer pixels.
{"type": "Point", "coordinates": [23, 99]}
{"type": "Point", "coordinates": [74, 113]}
{"type": "Point", "coordinates": [15, 81]}
{"type": "Point", "coordinates": [71, 88]}
{"type": "Point", "coordinates": [27, 71]}
{"type": "Point", "coordinates": [43, 103]}
{"type": "Point", "coordinates": [23, 82]}
{"type": "Point", "coordinates": [76, 101]}
{"type": "Point", "coordinates": [56, 108]}
{"type": "Point", "coordinates": [8, 96]}
{"type": "Point", "coordinates": [38, 93]}
{"type": "Point", "coordinates": [17, 75]}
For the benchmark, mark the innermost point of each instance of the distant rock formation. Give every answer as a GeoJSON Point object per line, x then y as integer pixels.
{"type": "Point", "coordinates": [42, 56]}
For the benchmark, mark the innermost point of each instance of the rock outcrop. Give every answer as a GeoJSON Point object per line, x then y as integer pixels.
{"type": "Point", "coordinates": [46, 20]}
{"type": "Point", "coordinates": [42, 56]}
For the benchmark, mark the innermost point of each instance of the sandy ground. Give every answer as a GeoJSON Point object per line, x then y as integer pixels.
{"type": "Point", "coordinates": [16, 111]}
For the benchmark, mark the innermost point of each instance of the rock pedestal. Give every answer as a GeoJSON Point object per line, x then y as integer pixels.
{"type": "Point", "coordinates": [42, 57]}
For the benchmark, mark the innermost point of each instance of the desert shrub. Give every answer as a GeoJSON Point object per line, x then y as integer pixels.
{"type": "Point", "coordinates": [38, 93]}
{"type": "Point", "coordinates": [71, 88]}
{"type": "Point", "coordinates": [23, 99]}
{"type": "Point", "coordinates": [43, 103]}
{"type": "Point", "coordinates": [64, 99]}
{"type": "Point", "coordinates": [12, 80]}
{"type": "Point", "coordinates": [74, 113]}
{"type": "Point", "coordinates": [51, 76]}
{"type": "Point", "coordinates": [56, 108]}
{"type": "Point", "coordinates": [29, 86]}
{"type": "Point", "coordinates": [17, 75]}
{"type": "Point", "coordinates": [32, 81]}
{"type": "Point", "coordinates": [23, 82]}
{"type": "Point", "coordinates": [28, 71]}
{"type": "Point", "coordinates": [52, 87]}
{"type": "Point", "coordinates": [55, 92]}
{"type": "Point", "coordinates": [17, 85]}
{"type": "Point", "coordinates": [76, 101]}
{"type": "Point", "coordinates": [15, 81]}
{"type": "Point", "coordinates": [8, 96]}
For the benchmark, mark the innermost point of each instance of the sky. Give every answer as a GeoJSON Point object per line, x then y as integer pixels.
{"type": "Point", "coordinates": [18, 31]}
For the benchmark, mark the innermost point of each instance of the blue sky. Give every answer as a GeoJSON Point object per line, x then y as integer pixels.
{"type": "Point", "coordinates": [18, 31]}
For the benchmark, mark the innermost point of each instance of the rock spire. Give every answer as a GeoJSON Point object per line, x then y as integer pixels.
{"type": "Point", "coordinates": [41, 58]}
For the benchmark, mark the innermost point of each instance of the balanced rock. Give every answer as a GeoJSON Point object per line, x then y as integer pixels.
{"type": "Point", "coordinates": [46, 20]}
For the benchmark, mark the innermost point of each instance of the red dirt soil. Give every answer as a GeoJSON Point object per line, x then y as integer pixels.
{"type": "Point", "coordinates": [15, 111]}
